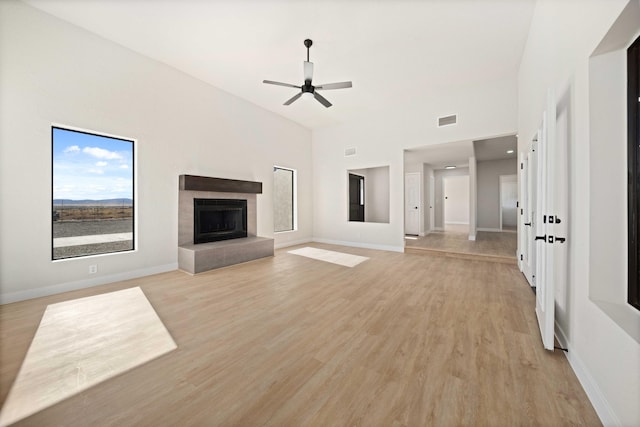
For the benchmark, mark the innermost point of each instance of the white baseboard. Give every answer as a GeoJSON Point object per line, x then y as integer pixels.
{"type": "Point", "coordinates": [292, 243]}
{"type": "Point", "coordinates": [457, 223]}
{"type": "Point", "coordinates": [438, 228]}
{"type": "Point", "coordinates": [590, 386]}
{"type": "Point", "coordinates": [493, 230]}
{"type": "Point", "coordinates": [472, 237]}
{"type": "Point", "coordinates": [6, 298]}
{"type": "Point", "coordinates": [360, 245]}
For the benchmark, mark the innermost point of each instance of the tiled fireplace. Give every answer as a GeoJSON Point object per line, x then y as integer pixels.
{"type": "Point", "coordinates": [217, 223]}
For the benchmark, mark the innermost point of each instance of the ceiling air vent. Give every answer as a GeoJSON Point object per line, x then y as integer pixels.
{"type": "Point", "coordinates": [349, 151]}
{"type": "Point", "coordinates": [447, 120]}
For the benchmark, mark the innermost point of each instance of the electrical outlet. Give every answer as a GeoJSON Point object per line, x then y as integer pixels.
{"type": "Point", "coordinates": [93, 269]}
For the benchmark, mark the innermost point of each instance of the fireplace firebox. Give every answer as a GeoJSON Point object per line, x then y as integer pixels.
{"type": "Point", "coordinates": [219, 219]}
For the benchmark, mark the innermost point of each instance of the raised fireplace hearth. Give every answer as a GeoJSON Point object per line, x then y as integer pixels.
{"type": "Point", "coordinates": [217, 223]}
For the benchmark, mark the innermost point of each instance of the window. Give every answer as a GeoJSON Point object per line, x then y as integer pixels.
{"type": "Point", "coordinates": [92, 194]}
{"type": "Point", "coordinates": [633, 162]}
{"type": "Point", "coordinates": [284, 200]}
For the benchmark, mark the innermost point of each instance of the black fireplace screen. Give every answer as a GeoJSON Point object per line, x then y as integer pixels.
{"type": "Point", "coordinates": [219, 219]}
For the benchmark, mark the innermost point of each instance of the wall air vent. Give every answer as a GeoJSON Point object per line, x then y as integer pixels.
{"type": "Point", "coordinates": [349, 152]}
{"type": "Point", "coordinates": [447, 120]}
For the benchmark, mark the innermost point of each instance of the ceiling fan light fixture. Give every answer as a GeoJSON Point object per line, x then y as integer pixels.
{"type": "Point", "coordinates": [308, 90]}
{"type": "Point", "coordinates": [510, 151]}
{"type": "Point", "coordinates": [449, 167]}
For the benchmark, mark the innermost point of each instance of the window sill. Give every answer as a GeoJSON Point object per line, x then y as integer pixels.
{"type": "Point", "coordinates": [624, 315]}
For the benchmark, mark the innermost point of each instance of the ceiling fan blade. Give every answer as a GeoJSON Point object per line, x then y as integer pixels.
{"type": "Point", "coordinates": [321, 99]}
{"type": "Point", "coordinates": [271, 82]}
{"type": "Point", "coordinates": [296, 96]}
{"type": "Point", "coordinates": [308, 70]}
{"type": "Point", "coordinates": [329, 86]}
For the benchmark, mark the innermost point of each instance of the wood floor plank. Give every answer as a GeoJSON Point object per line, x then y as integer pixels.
{"type": "Point", "coordinates": [398, 340]}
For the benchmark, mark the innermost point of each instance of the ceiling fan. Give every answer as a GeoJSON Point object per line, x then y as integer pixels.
{"type": "Point", "coordinates": [307, 87]}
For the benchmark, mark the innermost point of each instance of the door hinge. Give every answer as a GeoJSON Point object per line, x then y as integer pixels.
{"type": "Point", "coordinates": [521, 257]}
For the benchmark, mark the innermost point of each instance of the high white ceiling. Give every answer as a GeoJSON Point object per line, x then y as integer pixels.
{"type": "Point", "coordinates": [496, 148]}
{"type": "Point", "coordinates": [457, 153]}
{"type": "Point", "coordinates": [440, 155]}
{"type": "Point", "coordinates": [396, 52]}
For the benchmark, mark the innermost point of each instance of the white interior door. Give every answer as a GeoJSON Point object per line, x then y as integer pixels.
{"type": "Point", "coordinates": [456, 199]}
{"type": "Point", "coordinates": [545, 293]}
{"type": "Point", "coordinates": [412, 209]}
{"type": "Point", "coordinates": [508, 202]}
{"type": "Point", "coordinates": [432, 201]}
{"type": "Point", "coordinates": [528, 172]}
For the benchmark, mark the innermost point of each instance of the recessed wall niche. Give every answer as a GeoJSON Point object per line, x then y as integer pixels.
{"type": "Point", "coordinates": [368, 194]}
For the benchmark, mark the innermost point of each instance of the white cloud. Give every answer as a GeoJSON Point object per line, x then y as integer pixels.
{"type": "Point", "coordinates": [101, 164]}
{"type": "Point", "coordinates": [96, 171]}
{"type": "Point", "coordinates": [124, 166]}
{"type": "Point", "coordinates": [72, 149]}
{"type": "Point", "coordinates": [101, 153]}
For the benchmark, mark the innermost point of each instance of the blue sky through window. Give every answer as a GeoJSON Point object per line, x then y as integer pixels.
{"type": "Point", "coordinates": [91, 167]}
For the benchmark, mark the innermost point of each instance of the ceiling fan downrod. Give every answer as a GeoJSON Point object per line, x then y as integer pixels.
{"type": "Point", "coordinates": [308, 43]}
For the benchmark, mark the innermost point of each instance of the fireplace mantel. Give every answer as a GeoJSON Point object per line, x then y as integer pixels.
{"type": "Point", "coordinates": [222, 185]}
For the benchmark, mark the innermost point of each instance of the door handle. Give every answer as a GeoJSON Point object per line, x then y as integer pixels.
{"type": "Point", "coordinates": [527, 224]}
{"type": "Point", "coordinates": [542, 237]}
{"type": "Point", "coordinates": [560, 239]}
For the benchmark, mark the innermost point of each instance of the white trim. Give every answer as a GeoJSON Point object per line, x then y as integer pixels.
{"type": "Point", "coordinates": [472, 237]}
{"type": "Point", "coordinates": [286, 244]}
{"type": "Point", "coordinates": [492, 230]}
{"type": "Point", "coordinates": [438, 228]}
{"type": "Point", "coordinates": [457, 223]}
{"type": "Point", "coordinates": [590, 386]}
{"type": "Point", "coordinates": [10, 297]}
{"type": "Point", "coordinates": [360, 245]}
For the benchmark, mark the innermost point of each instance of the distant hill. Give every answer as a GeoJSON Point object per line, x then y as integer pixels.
{"type": "Point", "coordinates": [102, 202]}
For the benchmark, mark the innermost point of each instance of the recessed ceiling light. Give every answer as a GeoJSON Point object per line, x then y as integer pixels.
{"type": "Point", "coordinates": [509, 151]}
{"type": "Point", "coordinates": [449, 167]}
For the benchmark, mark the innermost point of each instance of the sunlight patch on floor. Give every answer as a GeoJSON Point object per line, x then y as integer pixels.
{"type": "Point", "coordinates": [82, 342]}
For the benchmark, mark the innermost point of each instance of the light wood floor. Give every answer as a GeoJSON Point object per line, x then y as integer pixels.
{"type": "Point", "coordinates": [399, 340]}
{"type": "Point", "coordinates": [490, 246]}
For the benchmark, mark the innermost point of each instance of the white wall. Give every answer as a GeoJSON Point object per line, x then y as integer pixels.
{"type": "Point", "coordinates": [489, 172]}
{"type": "Point", "coordinates": [484, 110]}
{"type": "Point", "coordinates": [55, 72]}
{"type": "Point", "coordinates": [606, 358]}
